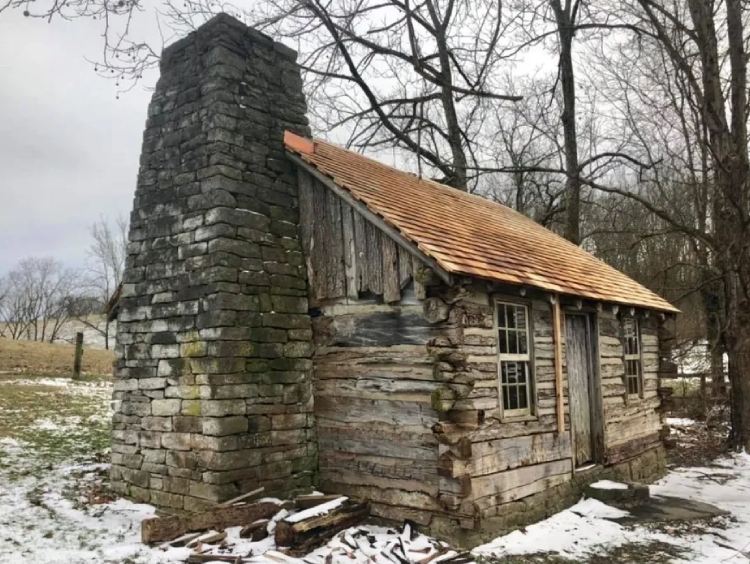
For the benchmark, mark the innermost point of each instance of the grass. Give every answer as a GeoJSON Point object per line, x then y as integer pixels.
{"type": "Point", "coordinates": [67, 423]}
{"type": "Point", "coordinates": [31, 357]}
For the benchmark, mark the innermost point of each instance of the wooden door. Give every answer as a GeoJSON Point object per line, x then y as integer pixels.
{"type": "Point", "coordinates": [579, 360]}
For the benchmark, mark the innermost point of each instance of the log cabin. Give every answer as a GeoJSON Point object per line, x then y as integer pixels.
{"type": "Point", "coordinates": [469, 364]}
{"type": "Point", "coordinates": [294, 315]}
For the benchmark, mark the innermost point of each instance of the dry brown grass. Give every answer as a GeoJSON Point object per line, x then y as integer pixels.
{"type": "Point", "coordinates": [30, 357]}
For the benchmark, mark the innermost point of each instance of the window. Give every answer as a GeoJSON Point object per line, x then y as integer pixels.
{"type": "Point", "coordinates": [514, 358]}
{"type": "Point", "coordinates": [633, 362]}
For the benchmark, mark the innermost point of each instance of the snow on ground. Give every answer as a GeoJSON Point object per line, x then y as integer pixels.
{"type": "Point", "coordinates": [681, 422]}
{"type": "Point", "coordinates": [55, 507]}
{"type": "Point", "coordinates": [585, 529]}
{"type": "Point", "coordinates": [609, 485]}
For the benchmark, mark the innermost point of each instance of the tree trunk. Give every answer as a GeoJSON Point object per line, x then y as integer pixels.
{"type": "Point", "coordinates": [738, 350]}
{"type": "Point", "coordinates": [455, 138]}
{"type": "Point", "coordinates": [567, 79]}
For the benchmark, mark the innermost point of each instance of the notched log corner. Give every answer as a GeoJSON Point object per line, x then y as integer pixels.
{"type": "Point", "coordinates": [435, 310]}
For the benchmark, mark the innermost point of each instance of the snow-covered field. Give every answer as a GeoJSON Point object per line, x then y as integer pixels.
{"type": "Point", "coordinates": [55, 507]}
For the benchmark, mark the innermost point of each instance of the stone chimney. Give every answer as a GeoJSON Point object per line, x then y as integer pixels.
{"type": "Point", "coordinates": [213, 373]}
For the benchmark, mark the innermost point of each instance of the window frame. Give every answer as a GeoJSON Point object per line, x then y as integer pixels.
{"type": "Point", "coordinates": [528, 358]}
{"type": "Point", "coordinates": [632, 357]}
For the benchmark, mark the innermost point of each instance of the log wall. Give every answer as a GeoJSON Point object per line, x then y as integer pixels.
{"type": "Point", "coordinates": [631, 425]}
{"type": "Point", "coordinates": [406, 391]}
{"type": "Point", "coordinates": [487, 460]}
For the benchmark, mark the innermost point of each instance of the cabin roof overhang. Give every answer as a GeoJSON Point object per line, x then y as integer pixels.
{"type": "Point", "coordinates": [462, 235]}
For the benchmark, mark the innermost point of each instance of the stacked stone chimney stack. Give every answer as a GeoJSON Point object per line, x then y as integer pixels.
{"type": "Point", "coordinates": [213, 390]}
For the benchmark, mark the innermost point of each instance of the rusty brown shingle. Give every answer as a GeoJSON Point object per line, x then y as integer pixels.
{"type": "Point", "coordinates": [469, 235]}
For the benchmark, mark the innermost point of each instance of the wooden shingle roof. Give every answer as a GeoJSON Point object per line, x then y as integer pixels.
{"type": "Point", "coordinates": [470, 235]}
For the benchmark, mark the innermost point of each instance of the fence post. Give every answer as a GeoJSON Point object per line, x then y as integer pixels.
{"type": "Point", "coordinates": [77, 360]}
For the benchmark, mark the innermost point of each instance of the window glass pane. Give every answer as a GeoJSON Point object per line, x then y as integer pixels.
{"type": "Point", "coordinates": [523, 397]}
{"type": "Point", "coordinates": [501, 322]}
{"type": "Point", "coordinates": [520, 317]}
{"type": "Point", "coordinates": [503, 337]}
{"type": "Point", "coordinates": [633, 384]}
{"type": "Point", "coordinates": [510, 372]}
{"type": "Point", "coordinates": [627, 326]}
{"type": "Point", "coordinates": [523, 345]}
{"type": "Point", "coordinates": [511, 316]}
{"type": "Point", "coordinates": [512, 342]}
{"type": "Point", "coordinates": [512, 397]}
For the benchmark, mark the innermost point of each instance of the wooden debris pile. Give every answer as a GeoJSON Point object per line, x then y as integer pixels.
{"type": "Point", "coordinates": [311, 529]}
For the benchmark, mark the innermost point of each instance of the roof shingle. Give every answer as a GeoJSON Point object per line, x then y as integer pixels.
{"type": "Point", "coordinates": [470, 235]}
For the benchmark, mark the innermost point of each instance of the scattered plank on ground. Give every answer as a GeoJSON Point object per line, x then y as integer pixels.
{"type": "Point", "coordinates": [301, 536]}
{"type": "Point", "coordinates": [162, 529]}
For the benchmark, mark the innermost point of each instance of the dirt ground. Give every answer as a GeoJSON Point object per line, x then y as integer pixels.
{"type": "Point", "coordinates": [30, 357]}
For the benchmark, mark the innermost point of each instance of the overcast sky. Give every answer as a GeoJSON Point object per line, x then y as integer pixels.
{"type": "Point", "coordinates": [68, 148]}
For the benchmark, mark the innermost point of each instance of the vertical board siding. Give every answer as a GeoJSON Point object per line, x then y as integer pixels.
{"type": "Point", "coordinates": [345, 253]}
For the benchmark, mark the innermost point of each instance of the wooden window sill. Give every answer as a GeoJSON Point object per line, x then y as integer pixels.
{"type": "Point", "coordinates": [518, 418]}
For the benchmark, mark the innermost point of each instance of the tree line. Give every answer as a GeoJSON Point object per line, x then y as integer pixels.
{"type": "Point", "coordinates": [40, 296]}
{"type": "Point", "coordinates": [622, 125]}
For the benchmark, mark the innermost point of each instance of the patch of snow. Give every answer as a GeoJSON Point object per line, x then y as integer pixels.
{"type": "Point", "coordinates": [681, 422]}
{"type": "Point", "coordinates": [317, 510]}
{"type": "Point", "coordinates": [586, 528]}
{"type": "Point", "coordinates": [609, 485]}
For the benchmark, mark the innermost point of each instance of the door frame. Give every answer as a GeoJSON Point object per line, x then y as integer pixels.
{"type": "Point", "coordinates": [596, 399]}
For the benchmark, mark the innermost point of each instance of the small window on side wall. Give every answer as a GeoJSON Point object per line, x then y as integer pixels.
{"type": "Point", "coordinates": [631, 333]}
{"type": "Point", "coordinates": [514, 359]}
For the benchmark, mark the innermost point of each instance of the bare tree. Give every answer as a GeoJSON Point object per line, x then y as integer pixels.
{"type": "Point", "coordinates": [104, 268]}
{"type": "Point", "coordinates": [37, 295]}
{"type": "Point", "coordinates": [704, 42]}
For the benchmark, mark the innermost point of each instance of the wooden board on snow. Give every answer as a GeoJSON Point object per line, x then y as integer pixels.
{"type": "Point", "coordinates": [302, 536]}
{"type": "Point", "coordinates": [161, 529]}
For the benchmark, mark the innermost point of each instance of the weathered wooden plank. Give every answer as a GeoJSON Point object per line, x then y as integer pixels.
{"type": "Point", "coordinates": [307, 219]}
{"type": "Point", "coordinates": [360, 246]}
{"type": "Point", "coordinates": [422, 469]}
{"type": "Point", "coordinates": [404, 267]}
{"type": "Point", "coordinates": [333, 247]}
{"type": "Point", "coordinates": [386, 496]}
{"type": "Point", "coordinates": [391, 282]}
{"type": "Point", "coordinates": [321, 234]}
{"type": "Point", "coordinates": [521, 492]}
{"type": "Point", "coordinates": [505, 454]}
{"type": "Point", "coordinates": [350, 251]}
{"type": "Point", "coordinates": [420, 290]}
{"type": "Point", "coordinates": [558, 361]}
{"type": "Point", "coordinates": [393, 447]}
{"type": "Point", "coordinates": [402, 389]}
{"type": "Point", "coordinates": [305, 535]}
{"type": "Point", "coordinates": [374, 258]}
{"type": "Point", "coordinates": [375, 219]}
{"type": "Point", "coordinates": [161, 529]}
{"type": "Point", "coordinates": [494, 429]}
{"type": "Point", "coordinates": [625, 451]}
{"type": "Point", "coordinates": [348, 477]}
{"type": "Point", "coordinates": [579, 374]}
{"type": "Point", "coordinates": [355, 410]}
{"type": "Point", "coordinates": [505, 482]}
{"type": "Point", "coordinates": [384, 329]}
